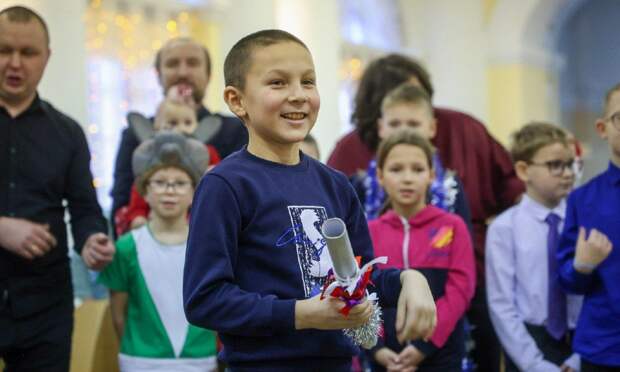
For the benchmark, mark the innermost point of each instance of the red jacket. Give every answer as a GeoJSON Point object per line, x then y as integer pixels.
{"type": "Point", "coordinates": [438, 243]}
{"type": "Point", "coordinates": [465, 146]}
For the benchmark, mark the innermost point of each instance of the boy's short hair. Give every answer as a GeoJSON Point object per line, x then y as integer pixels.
{"type": "Point", "coordinates": [610, 92]}
{"type": "Point", "coordinates": [169, 150]}
{"type": "Point", "coordinates": [406, 93]}
{"type": "Point", "coordinates": [239, 59]}
{"type": "Point", "coordinates": [21, 14]}
{"type": "Point", "coordinates": [532, 137]}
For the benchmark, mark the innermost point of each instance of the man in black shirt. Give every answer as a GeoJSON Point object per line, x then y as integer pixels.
{"type": "Point", "coordinates": [182, 65]}
{"type": "Point", "coordinates": [44, 162]}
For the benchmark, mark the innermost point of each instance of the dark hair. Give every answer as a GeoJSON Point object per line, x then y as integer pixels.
{"type": "Point", "coordinates": [532, 137]}
{"type": "Point", "coordinates": [187, 40]}
{"type": "Point", "coordinates": [404, 136]}
{"type": "Point", "coordinates": [610, 92]}
{"type": "Point", "coordinates": [239, 59]}
{"type": "Point", "coordinates": [381, 76]}
{"type": "Point", "coordinates": [21, 14]}
{"type": "Point", "coordinates": [406, 93]}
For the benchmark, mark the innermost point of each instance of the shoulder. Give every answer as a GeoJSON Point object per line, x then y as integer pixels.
{"type": "Point", "coordinates": [504, 221]}
{"type": "Point", "coordinates": [61, 119]}
{"type": "Point", "coordinates": [126, 244]}
{"type": "Point", "coordinates": [458, 118]}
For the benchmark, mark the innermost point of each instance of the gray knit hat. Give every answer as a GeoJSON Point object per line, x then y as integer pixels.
{"type": "Point", "coordinates": [170, 148]}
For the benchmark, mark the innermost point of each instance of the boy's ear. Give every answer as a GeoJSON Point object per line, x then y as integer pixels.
{"type": "Point", "coordinates": [234, 99]}
{"type": "Point", "coordinates": [601, 128]}
{"type": "Point", "coordinates": [521, 170]}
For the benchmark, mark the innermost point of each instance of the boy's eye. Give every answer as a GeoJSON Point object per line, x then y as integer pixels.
{"type": "Point", "coordinates": [277, 83]}
{"type": "Point", "coordinates": [308, 82]}
{"type": "Point", "coordinates": [394, 124]}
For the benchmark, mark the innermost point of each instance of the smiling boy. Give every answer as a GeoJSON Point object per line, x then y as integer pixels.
{"type": "Point", "coordinates": [241, 280]}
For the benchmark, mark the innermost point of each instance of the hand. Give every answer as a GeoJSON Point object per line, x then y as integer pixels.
{"type": "Point", "coordinates": [565, 368]}
{"type": "Point", "coordinates": [410, 358]}
{"type": "Point", "coordinates": [592, 251]}
{"type": "Point", "coordinates": [325, 314]}
{"type": "Point", "coordinates": [25, 238]}
{"type": "Point", "coordinates": [137, 222]}
{"type": "Point", "coordinates": [98, 251]}
{"type": "Point", "coordinates": [386, 357]}
{"type": "Point", "coordinates": [416, 315]}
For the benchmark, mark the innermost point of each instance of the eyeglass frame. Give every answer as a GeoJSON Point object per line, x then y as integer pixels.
{"type": "Point", "coordinates": [178, 187]}
{"type": "Point", "coordinates": [572, 164]}
{"type": "Point", "coordinates": [614, 119]}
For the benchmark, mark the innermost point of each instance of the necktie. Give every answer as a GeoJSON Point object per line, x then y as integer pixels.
{"type": "Point", "coordinates": [556, 317]}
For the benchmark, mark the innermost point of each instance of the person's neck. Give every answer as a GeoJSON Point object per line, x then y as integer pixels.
{"type": "Point", "coordinates": [169, 230]}
{"type": "Point", "coordinates": [278, 153]}
{"type": "Point", "coordinates": [17, 107]}
{"type": "Point", "coordinates": [408, 211]}
{"type": "Point", "coordinates": [550, 204]}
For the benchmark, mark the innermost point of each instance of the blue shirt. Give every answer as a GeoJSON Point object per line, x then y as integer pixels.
{"type": "Point", "coordinates": [518, 280]}
{"type": "Point", "coordinates": [595, 205]}
{"type": "Point", "coordinates": [255, 247]}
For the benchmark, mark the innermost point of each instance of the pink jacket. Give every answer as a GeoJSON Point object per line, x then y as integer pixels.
{"type": "Point", "coordinates": [436, 240]}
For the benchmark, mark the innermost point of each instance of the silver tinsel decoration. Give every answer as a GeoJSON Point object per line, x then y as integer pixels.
{"type": "Point", "coordinates": [367, 334]}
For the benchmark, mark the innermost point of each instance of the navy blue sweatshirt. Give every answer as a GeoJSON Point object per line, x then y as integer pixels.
{"type": "Point", "coordinates": [595, 205]}
{"type": "Point", "coordinates": [255, 247]}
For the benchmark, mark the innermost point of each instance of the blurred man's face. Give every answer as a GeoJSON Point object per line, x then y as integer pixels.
{"type": "Point", "coordinates": [23, 56]}
{"type": "Point", "coordinates": [183, 64]}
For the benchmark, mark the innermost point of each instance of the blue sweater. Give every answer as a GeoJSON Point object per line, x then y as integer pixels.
{"type": "Point", "coordinates": [255, 247]}
{"type": "Point", "coordinates": [595, 205]}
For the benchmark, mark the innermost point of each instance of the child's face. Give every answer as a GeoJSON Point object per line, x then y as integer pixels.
{"type": "Point", "coordinates": [609, 127]}
{"type": "Point", "coordinates": [181, 119]}
{"type": "Point", "coordinates": [169, 193]}
{"type": "Point", "coordinates": [549, 176]}
{"type": "Point", "coordinates": [416, 116]}
{"type": "Point", "coordinates": [406, 177]}
{"type": "Point", "coordinates": [280, 101]}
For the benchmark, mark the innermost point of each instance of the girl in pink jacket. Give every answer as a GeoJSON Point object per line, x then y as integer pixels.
{"type": "Point", "coordinates": [413, 234]}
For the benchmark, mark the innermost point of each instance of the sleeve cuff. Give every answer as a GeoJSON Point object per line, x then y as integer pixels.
{"type": "Point", "coordinates": [427, 348]}
{"type": "Point", "coordinates": [387, 284]}
{"type": "Point", "coordinates": [283, 315]}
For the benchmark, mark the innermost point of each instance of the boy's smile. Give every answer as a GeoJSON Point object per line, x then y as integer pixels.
{"type": "Point", "coordinates": [280, 101]}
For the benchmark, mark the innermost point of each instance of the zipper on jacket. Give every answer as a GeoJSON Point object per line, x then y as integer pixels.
{"type": "Point", "coordinates": [405, 242]}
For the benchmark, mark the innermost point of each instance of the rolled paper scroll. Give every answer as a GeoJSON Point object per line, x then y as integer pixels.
{"type": "Point", "coordinates": [339, 246]}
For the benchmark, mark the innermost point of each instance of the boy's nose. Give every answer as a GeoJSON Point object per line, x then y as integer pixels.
{"type": "Point", "coordinates": [298, 94]}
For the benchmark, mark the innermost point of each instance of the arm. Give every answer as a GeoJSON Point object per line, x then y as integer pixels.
{"type": "Point", "coordinates": [459, 290]}
{"type": "Point", "coordinates": [211, 297]}
{"type": "Point", "coordinates": [508, 324]}
{"type": "Point", "coordinates": [118, 307]}
{"type": "Point", "coordinates": [86, 216]}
